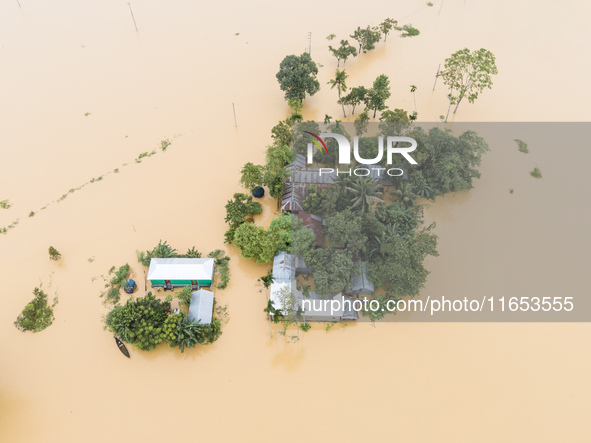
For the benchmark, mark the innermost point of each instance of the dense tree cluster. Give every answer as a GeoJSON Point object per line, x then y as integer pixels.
{"type": "Point", "coordinates": [145, 322]}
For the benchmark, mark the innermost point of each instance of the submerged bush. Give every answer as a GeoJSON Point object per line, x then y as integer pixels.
{"type": "Point", "coordinates": [161, 250]}
{"type": "Point", "coordinates": [113, 295]}
{"type": "Point", "coordinates": [221, 267]}
{"type": "Point", "coordinates": [54, 254]}
{"type": "Point", "coordinates": [522, 146]}
{"type": "Point", "coordinates": [37, 315]}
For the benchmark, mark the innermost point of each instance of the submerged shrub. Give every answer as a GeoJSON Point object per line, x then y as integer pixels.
{"type": "Point", "coordinates": [54, 254]}
{"type": "Point", "coordinates": [37, 315]}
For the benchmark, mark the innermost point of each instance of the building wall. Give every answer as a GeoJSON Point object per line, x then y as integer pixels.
{"type": "Point", "coordinates": [180, 282]}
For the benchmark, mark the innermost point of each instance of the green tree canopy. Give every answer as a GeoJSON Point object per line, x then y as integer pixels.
{"type": "Point", "coordinates": [467, 73]}
{"type": "Point", "coordinates": [255, 243]}
{"type": "Point", "coordinates": [378, 94]}
{"type": "Point", "coordinates": [277, 156]}
{"type": "Point", "coordinates": [237, 211]}
{"type": "Point", "coordinates": [332, 269]}
{"type": "Point", "coordinates": [343, 52]}
{"type": "Point", "coordinates": [339, 82]}
{"type": "Point", "coordinates": [345, 228]}
{"type": "Point", "coordinates": [400, 267]}
{"type": "Point", "coordinates": [251, 176]}
{"type": "Point", "coordinates": [396, 122]}
{"type": "Point", "coordinates": [386, 26]}
{"type": "Point", "coordinates": [448, 163]}
{"type": "Point", "coordinates": [37, 314]}
{"type": "Point", "coordinates": [367, 38]}
{"type": "Point", "coordinates": [355, 97]}
{"type": "Point", "coordinates": [297, 76]}
{"type": "Point", "coordinates": [280, 232]}
{"type": "Point", "coordinates": [139, 322]}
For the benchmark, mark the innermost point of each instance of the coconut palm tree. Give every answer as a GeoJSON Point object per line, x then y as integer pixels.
{"type": "Point", "coordinates": [364, 192]}
{"type": "Point", "coordinates": [339, 82]}
{"type": "Point", "coordinates": [405, 195]}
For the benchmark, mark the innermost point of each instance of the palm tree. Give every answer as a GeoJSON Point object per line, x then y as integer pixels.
{"type": "Point", "coordinates": [405, 195]}
{"type": "Point", "coordinates": [339, 81]}
{"type": "Point", "coordinates": [364, 192]}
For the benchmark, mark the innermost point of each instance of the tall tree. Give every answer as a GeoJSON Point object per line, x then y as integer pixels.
{"type": "Point", "coordinates": [339, 82]}
{"type": "Point", "coordinates": [386, 26]}
{"type": "Point", "coordinates": [378, 94]}
{"type": "Point", "coordinates": [297, 76]}
{"type": "Point", "coordinates": [355, 97]}
{"type": "Point", "coordinates": [343, 52]}
{"type": "Point", "coordinates": [367, 38]}
{"type": "Point", "coordinates": [466, 73]}
{"type": "Point", "coordinates": [251, 176]}
{"type": "Point", "coordinates": [361, 123]}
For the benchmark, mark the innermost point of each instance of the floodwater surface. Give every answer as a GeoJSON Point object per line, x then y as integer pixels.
{"type": "Point", "coordinates": [83, 94]}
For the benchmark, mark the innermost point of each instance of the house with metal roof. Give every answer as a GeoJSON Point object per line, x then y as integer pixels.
{"type": "Point", "coordinates": [201, 306]}
{"type": "Point", "coordinates": [360, 284]}
{"type": "Point", "coordinates": [283, 267]}
{"type": "Point", "coordinates": [175, 272]}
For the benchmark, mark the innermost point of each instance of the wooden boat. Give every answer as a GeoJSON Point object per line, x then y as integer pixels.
{"type": "Point", "coordinates": [122, 347]}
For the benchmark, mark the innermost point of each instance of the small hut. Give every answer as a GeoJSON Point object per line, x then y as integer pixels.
{"type": "Point", "coordinates": [201, 306]}
{"type": "Point", "coordinates": [360, 284]}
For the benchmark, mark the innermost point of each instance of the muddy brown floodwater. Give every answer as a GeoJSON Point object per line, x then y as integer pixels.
{"type": "Point", "coordinates": [177, 79]}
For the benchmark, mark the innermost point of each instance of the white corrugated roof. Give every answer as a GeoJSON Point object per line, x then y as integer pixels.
{"type": "Point", "coordinates": [201, 306]}
{"type": "Point", "coordinates": [181, 269]}
{"type": "Point", "coordinates": [283, 267]}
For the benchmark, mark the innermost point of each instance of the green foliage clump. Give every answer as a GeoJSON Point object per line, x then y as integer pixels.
{"type": "Point", "coordinates": [343, 52]}
{"type": "Point", "coordinates": [408, 31]}
{"type": "Point", "coordinates": [536, 173]}
{"type": "Point", "coordinates": [54, 254]}
{"type": "Point", "coordinates": [192, 253]}
{"type": "Point", "coordinates": [237, 211]}
{"type": "Point", "coordinates": [139, 322]}
{"type": "Point", "coordinates": [280, 232]}
{"type": "Point", "coordinates": [179, 331]}
{"type": "Point", "coordinates": [367, 38]}
{"type": "Point", "coordinates": [399, 267]}
{"type": "Point", "coordinates": [522, 146]}
{"type": "Point", "coordinates": [161, 250]}
{"type": "Point", "coordinates": [267, 280]}
{"type": "Point", "coordinates": [5, 204]}
{"type": "Point", "coordinates": [142, 156]}
{"type": "Point", "coordinates": [164, 144]}
{"type": "Point", "coordinates": [37, 314]}
{"type": "Point", "coordinates": [117, 282]}
{"type": "Point", "coordinates": [376, 97]}
{"type": "Point", "coordinates": [32, 214]}
{"type": "Point", "coordinates": [255, 243]}
{"type": "Point", "coordinates": [448, 163]}
{"type": "Point", "coordinates": [222, 267]}
{"type": "Point", "coordinates": [297, 76]}
{"type": "Point", "coordinates": [185, 296]}
{"type": "Point", "coordinates": [281, 133]}
{"type": "Point", "coordinates": [305, 327]}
